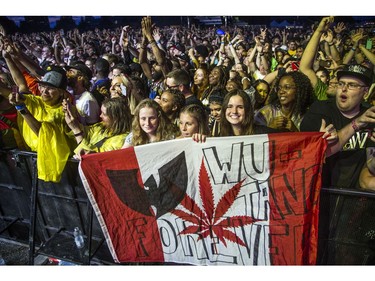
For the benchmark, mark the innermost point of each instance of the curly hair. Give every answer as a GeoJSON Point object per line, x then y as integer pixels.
{"type": "Point", "coordinates": [247, 126]}
{"type": "Point", "coordinates": [166, 129]}
{"type": "Point", "coordinates": [220, 85]}
{"type": "Point", "coordinates": [197, 112]}
{"type": "Point", "coordinates": [304, 92]}
{"type": "Point", "coordinates": [118, 111]}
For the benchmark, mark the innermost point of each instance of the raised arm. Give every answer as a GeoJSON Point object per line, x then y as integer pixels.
{"type": "Point", "coordinates": [369, 55]}
{"type": "Point", "coordinates": [159, 55]}
{"type": "Point", "coordinates": [355, 37]}
{"type": "Point", "coordinates": [143, 55]}
{"type": "Point", "coordinates": [233, 51]}
{"type": "Point", "coordinates": [16, 73]}
{"type": "Point", "coordinates": [307, 59]}
{"type": "Point", "coordinates": [330, 46]}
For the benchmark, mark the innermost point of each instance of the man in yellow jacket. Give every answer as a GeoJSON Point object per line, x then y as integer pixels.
{"type": "Point", "coordinates": [42, 124]}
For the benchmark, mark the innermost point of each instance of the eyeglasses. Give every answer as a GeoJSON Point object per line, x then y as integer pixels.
{"type": "Point", "coordinates": [350, 86]}
{"type": "Point", "coordinates": [285, 88]}
{"type": "Point", "coordinates": [171, 87]}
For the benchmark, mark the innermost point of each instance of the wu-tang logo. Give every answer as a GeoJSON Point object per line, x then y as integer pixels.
{"type": "Point", "coordinates": [164, 198]}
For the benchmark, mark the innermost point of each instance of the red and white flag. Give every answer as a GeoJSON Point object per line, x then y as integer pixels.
{"type": "Point", "coordinates": [251, 200]}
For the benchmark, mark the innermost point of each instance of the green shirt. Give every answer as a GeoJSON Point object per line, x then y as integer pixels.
{"type": "Point", "coordinates": [320, 90]}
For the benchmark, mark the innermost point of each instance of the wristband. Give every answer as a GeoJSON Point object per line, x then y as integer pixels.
{"type": "Point", "coordinates": [79, 134]}
{"type": "Point", "coordinates": [331, 44]}
{"type": "Point", "coordinates": [354, 49]}
{"type": "Point", "coordinates": [20, 107]}
{"type": "Point", "coordinates": [355, 126]}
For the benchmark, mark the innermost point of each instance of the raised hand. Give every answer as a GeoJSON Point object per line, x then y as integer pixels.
{"type": "Point", "coordinates": [70, 114]}
{"type": "Point", "coordinates": [156, 34]}
{"type": "Point", "coordinates": [328, 36]}
{"type": "Point", "coordinates": [340, 27]}
{"type": "Point", "coordinates": [16, 98]}
{"type": "Point", "coordinates": [325, 24]}
{"type": "Point", "coordinates": [2, 30]}
{"type": "Point", "coordinates": [356, 36]}
{"type": "Point", "coordinates": [263, 32]}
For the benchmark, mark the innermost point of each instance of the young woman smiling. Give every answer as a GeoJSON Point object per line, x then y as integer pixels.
{"type": "Point", "coordinates": [150, 124]}
{"type": "Point", "coordinates": [288, 102]}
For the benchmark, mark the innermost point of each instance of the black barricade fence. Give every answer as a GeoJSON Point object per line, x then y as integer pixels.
{"type": "Point", "coordinates": [15, 192]}
{"type": "Point", "coordinates": [43, 215]}
{"type": "Point", "coordinates": [346, 227]}
{"type": "Point", "coordinates": [46, 224]}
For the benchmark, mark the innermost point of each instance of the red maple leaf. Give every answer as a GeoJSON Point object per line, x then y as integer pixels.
{"type": "Point", "coordinates": [211, 221]}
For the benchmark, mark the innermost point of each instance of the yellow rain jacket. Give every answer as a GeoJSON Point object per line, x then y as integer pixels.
{"type": "Point", "coordinates": [97, 139]}
{"type": "Point", "coordinates": [53, 145]}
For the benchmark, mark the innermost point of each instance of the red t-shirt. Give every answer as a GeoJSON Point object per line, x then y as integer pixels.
{"type": "Point", "coordinates": [12, 116]}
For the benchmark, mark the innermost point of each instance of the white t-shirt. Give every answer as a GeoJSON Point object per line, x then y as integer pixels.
{"type": "Point", "coordinates": [88, 108]}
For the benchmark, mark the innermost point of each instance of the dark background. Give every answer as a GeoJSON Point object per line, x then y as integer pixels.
{"type": "Point", "coordinates": [30, 24]}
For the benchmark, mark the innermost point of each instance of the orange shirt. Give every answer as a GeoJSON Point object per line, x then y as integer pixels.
{"type": "Point", "coordinates": [31, 83]}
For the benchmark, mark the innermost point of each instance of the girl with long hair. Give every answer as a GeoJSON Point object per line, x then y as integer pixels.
{"type": "Point", "coordinates": [193, 119]}
{"type": "Point", "coordinates": [150, 124]}
{"type": "Point", "coordinates": [107, 135]}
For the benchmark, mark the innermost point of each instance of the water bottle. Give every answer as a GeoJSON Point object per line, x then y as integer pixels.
{"type": "Point", "coordinates": [61, 262]}
{"type": "Point", "coordinates": [78, 238]}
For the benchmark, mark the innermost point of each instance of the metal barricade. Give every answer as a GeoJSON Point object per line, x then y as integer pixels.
{"type": "Point", "coordinates": [44, 214]}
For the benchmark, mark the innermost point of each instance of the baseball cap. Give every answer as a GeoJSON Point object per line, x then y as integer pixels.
{"type": "Point", "coordinates": [54, 77]}
{"type": "Point", "coordinates": [80, 67]}
{"type": "Point", "coordinates": [356, 70]}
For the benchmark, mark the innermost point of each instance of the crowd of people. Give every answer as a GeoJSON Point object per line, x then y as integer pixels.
{"type": "Point", "coordinates": [67, 94]}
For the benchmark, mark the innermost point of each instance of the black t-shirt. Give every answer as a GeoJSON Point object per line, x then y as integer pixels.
{"type": "Point", "coordinates": [342, 169]}
{"type": "Point", "coordinates": [260, 129]}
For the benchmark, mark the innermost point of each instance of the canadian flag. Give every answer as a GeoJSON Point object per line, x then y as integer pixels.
{"type": "Point", "coordinates": [251, 200]}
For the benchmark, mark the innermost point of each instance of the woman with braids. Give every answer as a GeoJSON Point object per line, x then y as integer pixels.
{"type": "Point", "coordinates": [217, 81]}
{"type": "Point", "coordinates": [193, 119]}
{"type": "Point", "coordinates": [107, 135]}
{"type": "Point", "coordinates": [150, 124]}
{"type": "Point", "coordinates": [288, 102]}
